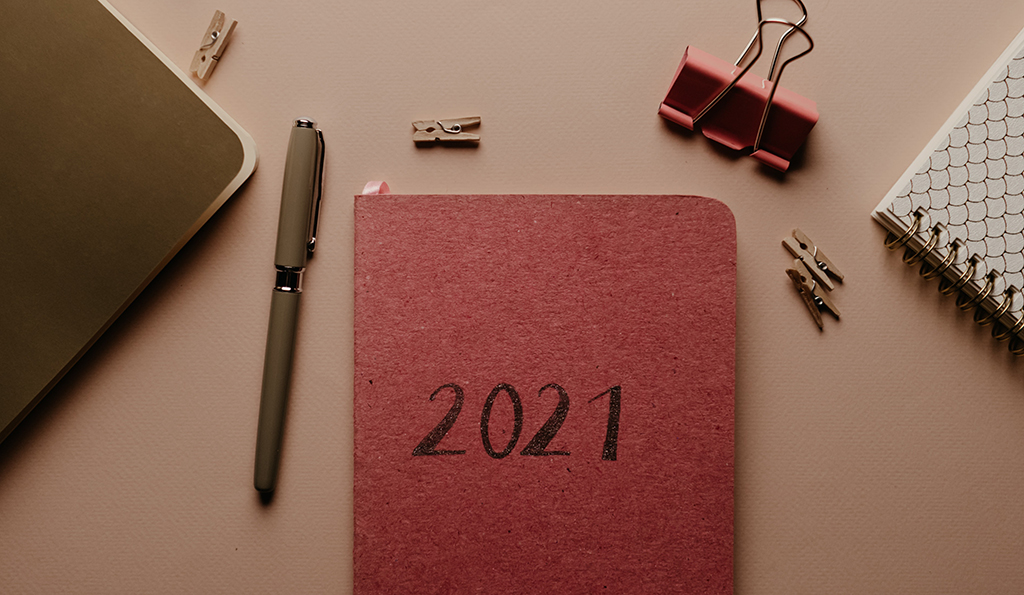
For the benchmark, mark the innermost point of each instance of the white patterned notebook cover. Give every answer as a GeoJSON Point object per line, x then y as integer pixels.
{"type": "Point", "coordinates": [969, 181]}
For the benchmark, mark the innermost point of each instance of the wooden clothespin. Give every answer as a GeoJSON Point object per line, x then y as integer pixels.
{"type": "Point", "coordinates": [815, 299]}
{"type": "Point", "coordinates": [213, 44]}
{"type": "Point", "coordinates": [820, 266]}
{"type": "Point", "coordinates": [450, 131]}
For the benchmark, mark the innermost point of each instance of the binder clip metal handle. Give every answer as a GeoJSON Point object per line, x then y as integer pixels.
{"type": "Point", "coordinates": [757, 151]}
{"type": "Point", "coordinates": [778, 47]}
{"type": "Point", "coordinates": [771, 73]}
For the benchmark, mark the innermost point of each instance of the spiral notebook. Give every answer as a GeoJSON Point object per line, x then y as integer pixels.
{"type": "Point", "coordinates": [544, 394]}
{"type": "Point", "coordinates": [958, 211]}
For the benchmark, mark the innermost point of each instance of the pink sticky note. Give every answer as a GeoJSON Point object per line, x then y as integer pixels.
{"type": "Point", "coordinates": [544, 394]}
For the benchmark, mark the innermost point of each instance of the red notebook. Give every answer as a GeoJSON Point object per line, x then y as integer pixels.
{"type": "Point", "coordinates": [544, 394]}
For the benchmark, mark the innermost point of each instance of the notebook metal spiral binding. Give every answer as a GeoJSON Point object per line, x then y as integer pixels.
{"type": "Point", "coordinates": [1000, 331]}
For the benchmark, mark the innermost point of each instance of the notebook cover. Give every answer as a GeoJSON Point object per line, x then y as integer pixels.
{"type": "Point", "coordinates": [110, 160]}
{"type": "Point", "coordinates": [970, 180]}
{"type": "Point", "coordinates": [544, 394]}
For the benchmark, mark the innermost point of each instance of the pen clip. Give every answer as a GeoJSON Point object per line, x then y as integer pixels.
{"type": "Point", "coordinates": [311, 244]}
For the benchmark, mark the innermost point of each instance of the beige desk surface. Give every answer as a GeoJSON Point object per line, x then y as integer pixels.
{"type": "Point", "coordinates": [885, 455]}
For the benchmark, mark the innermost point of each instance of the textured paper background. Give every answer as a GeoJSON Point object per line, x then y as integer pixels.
{"type": "Point", "coordinates": [586, 292]}
{"type": "Point", "coordinates": [885, 455]}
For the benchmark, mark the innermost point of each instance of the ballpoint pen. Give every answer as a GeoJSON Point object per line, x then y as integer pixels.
{"type": "Point", "coordinates": [296, 239]}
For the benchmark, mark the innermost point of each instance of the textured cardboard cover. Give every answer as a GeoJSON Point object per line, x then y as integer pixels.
{"type": "Point", "coordinates": [589, 292]}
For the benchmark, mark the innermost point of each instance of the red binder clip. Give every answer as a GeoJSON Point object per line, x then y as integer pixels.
{"type": "Point", "coordinates": [743, 111]}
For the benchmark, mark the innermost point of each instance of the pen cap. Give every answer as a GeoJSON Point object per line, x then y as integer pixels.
{"type": "Point", "coordinates": [297, 196]}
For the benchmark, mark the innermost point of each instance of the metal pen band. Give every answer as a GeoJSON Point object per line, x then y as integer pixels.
{"type": "Point", "coordinates": [289, 279]}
